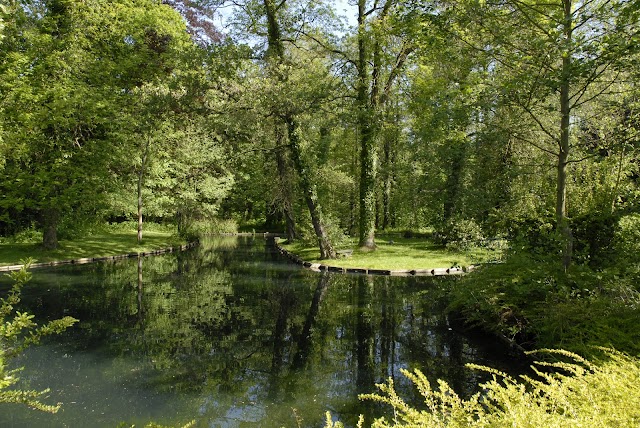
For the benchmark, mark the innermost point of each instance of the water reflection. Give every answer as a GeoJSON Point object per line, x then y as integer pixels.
{"type": "Point", "coordinates": [231, 335]}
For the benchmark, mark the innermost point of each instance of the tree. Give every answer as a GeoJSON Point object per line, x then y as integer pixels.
{"type": "Point", "coordinates": [372, 93]}
{"type": "Point", "coordinates": [286, 96]}
{"type": "Point", "coordinates": [555, 60]}
{"type": "Point", "coordinates": [276, 54]}
{"type": "Point", "coordinates": [69, 72]}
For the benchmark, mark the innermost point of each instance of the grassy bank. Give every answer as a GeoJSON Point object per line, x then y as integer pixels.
{"type": "Point", "coordinates": [535, 303]}
{"type": "Point", "coordinates": [109, 241]}
{"type": "Point", "coordinates": [394, 253]}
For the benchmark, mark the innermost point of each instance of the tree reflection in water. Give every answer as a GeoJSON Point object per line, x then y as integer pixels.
{"type": "Point", "coordinates": [230, 334]}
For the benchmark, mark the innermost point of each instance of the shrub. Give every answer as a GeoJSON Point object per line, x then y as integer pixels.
{"type": "Point", "coordinates": [460, 234]}
{"type": "Point", "coordinates": [337, 236]}
{"type": "Point", "coordinates": [500, 297]}
{"type": "Point", "coordinates": [593, 236]}
{"type": "Point", "coordinates": [627, 243]}
{"type": "Point", "coordinates": [573, 393]}
{"type": "Point", "coordinates": [534, 303]}
{"type": "Point", "coordinates": [535, 236]}
{"type": "Point", "coordinates": [25, 236]}
{"type": "Point", "coordinates": [213, 227]}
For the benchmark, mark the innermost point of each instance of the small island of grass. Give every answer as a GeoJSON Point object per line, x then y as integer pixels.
{"type": "Point", "coordinates": [397, 253]}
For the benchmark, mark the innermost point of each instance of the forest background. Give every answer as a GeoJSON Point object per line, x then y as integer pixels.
{"type": "Point", "coordinates": [509, 123]}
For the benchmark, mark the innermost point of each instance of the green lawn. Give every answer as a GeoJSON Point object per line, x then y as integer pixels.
{"type": "Point", "coordinates": [402, 254]}
{"type": "Point", "coordinates": [106, 243]}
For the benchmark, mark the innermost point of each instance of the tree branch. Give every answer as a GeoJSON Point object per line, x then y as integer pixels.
{"type": "Point", "coordinates": [539, 122]}
{"type": "Point", "coordinates": [401, 59]}
{"type": "Point", "coordinates": [329, 48]}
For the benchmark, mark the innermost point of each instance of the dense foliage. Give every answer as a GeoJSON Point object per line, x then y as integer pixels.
{"type": "Point", "coordinates": [464, 118]}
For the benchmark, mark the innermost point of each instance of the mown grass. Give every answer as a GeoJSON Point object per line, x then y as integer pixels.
{"type": "Point", "coordinates": [109, 242]}
{"type": "Point", "coordinates": [397, 254]}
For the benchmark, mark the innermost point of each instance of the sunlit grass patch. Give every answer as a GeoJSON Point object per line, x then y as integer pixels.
{"type": "Point", "coordinates": [396, 254]}
{"type": "Point", "coordinates": [107, 242]}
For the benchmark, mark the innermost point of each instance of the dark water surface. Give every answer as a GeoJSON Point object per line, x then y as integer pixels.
{"type": "Point", "coordinates": [231, 335]}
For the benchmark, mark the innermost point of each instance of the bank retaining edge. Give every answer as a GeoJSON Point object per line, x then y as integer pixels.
{"type": "Point", "coordinates": [85, 260]}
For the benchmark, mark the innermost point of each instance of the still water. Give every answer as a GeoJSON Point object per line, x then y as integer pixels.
{"type": "Point", "coordinates": [230, 334]}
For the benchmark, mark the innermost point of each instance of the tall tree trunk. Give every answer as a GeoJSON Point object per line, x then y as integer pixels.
{"type": "Point", "coordinates": [50, 219]}
{"type": "Point", "coordinates": [367, 140]}
{"type": "Point", "coordinates": [389, 162]}
{"type": "Point", "coordinates": [616, 187]}
{"type": "Point", "coordinates": [562, 222]}
{"type": "Point", "coordinates": [387, 191]}
{"type": "Point", "coordinates": [371, 96]}
{"type": "Point", "coordinates": [141, 173]}
{"type": "Point", "coordinates": [454, 180]}
{"type": "Point", "coordinates": [368, 165]}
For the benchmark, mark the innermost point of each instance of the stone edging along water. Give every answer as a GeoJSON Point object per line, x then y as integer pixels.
{"type": "Point", "coordinates": [86, 260]}
{"type": "Point", "coordinates": [400, 272]}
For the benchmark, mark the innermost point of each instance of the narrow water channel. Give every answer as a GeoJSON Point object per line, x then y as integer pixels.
{"type": "Point", "coordinates": [230, 334]}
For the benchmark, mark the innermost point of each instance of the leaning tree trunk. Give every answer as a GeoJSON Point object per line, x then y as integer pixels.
{"type": "Point", "coordinates": [275, 53]}
{"type": "Point", "coordinates": [310, 191]}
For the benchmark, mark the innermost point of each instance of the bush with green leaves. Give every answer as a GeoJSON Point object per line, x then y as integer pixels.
{"type": "Point", "coordinates": [337, 236]}
{"type": "Point", "coordinates": [568, 392]}
{"type": "Point", "coordinates": [534, 235]}
{"type": "Point", "coordinates": [28, 235]}
{"type": "Point", "coordinates": [460, 234]}
{"type": "Point", "coordinates": [593, 235]}
{"type": "Point", "coordinates": [534, 302]}
{"type": "Point", "coordinates": [214, 226]}
{"type": "Point", "coordinates": [627, 243]}
{"type": "Point", "coordinates": [17, 332]}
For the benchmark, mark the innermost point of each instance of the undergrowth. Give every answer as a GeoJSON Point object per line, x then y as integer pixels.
{"type": "Point", "coordinates": [568, 392]}
{"type": "Point", "coordinates": [536, 304]}
{"type": "Point", "coordinates": [212, 227]}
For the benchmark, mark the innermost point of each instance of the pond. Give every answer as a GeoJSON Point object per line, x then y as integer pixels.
{"type": "Point", "coordinates": [230, 334]}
